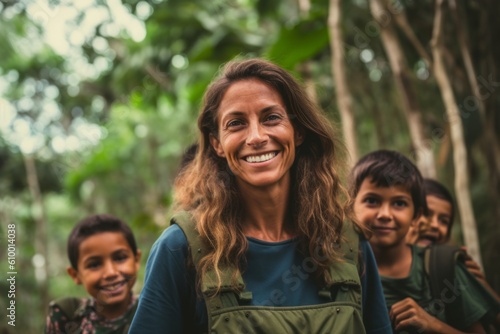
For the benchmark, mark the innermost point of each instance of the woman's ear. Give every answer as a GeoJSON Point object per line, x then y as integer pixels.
{"type": "Point", "coordinates": [217, 146]}
{"type": "Point", "coordinates": [299, 135]}
{"type": "Point", "coordinates": [74, 275]}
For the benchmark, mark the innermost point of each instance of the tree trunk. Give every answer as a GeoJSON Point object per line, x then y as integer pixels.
{"type": "Point", "coordinates": [305, 67]}
{"type": "Point", "coordinates": [344, 100]}
{"type": "Point", "coordinates": [402, 22]}
{"type": "Point", "coordinates": [492, 146]}
{"type": "Point", "coordinates": [38, 212]}
{"type": "Point", "coordinates": [457, 139]}
{"type": "Point", "coordinates": [423, 150]}
{"type": "Point", "coordinates": [489, 144]}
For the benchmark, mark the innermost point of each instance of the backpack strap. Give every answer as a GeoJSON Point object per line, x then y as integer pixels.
{"type": "Point", "coordinates": [228, 295]}
{"type": "Point", "coordinates": [345, 275]}
{"type": "Point", "coordinates": [68, 305]}
{"type": "Point", "coordinates": [439, 264]}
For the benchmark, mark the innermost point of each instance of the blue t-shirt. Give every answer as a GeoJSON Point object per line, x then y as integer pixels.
{"type": "Point", "coordinates": [276, 274]}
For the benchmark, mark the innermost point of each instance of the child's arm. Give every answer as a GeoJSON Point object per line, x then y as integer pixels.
{"type": "Point", "coordinates": [408, 314]}
{"type": "Point", "coordinates": [475, 270]}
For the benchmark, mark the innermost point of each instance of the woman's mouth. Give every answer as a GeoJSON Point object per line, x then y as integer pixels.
{"type": "Point", "coordinates": [260, 158]}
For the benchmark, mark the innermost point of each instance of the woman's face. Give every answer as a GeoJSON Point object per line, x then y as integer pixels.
{"type": "Point", "coordinates": [255, 135]}
{"type": "Point", "coordinates": [433, 229]}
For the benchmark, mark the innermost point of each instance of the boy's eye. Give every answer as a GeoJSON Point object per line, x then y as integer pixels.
{"type": "Point", "coordinates": [444, 221]}
{"type": "Point", "coordinates": [92, 264]}
{"type": "Point", "coordinates": [400, 203]}
{"type": "Point", "coordinates": [371, 200]}
{"type": "Point", "coordinates": [120, 256]}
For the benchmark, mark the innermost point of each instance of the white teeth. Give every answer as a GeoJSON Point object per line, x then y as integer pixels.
{"type": "Point", "coordinates": [112, 287]}
{"type": "Point", "coordinates": [261, 158]}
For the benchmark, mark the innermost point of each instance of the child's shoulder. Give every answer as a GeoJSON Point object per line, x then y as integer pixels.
{"type": "Point", "coordinates": [68, 305]}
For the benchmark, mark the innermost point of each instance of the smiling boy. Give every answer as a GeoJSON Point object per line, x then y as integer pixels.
{"type": "Point", "coordinates": [388, 198]}
{"type": "Point", "coordinates": [105, 260]}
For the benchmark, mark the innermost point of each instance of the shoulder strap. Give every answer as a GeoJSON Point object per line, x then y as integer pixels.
{"type": "Point", "coordinates": [68, 305]}
{"type": "Point", "coordinates": [227, 296]}
{"type": "Point", "coordinates": [344, 274]}
{"type": "Point", "coordinates": [188, 225]}
{"type": "Point", "coordinates": [439, 263]}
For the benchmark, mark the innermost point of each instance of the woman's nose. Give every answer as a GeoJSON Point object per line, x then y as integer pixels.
{"type": "Point", "coordinates": [257, 135]}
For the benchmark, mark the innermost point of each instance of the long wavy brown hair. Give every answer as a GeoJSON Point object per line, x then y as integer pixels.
{"type": "Point", "coordinates": [317, 203]}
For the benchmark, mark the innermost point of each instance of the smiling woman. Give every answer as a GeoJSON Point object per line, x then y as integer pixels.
{"type": "Point", "coordinates": [261, 229]}
{"type": "Point", "coordinates": [256, 136]}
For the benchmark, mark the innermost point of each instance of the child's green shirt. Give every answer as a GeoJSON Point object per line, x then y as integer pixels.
{"type": "Point", "coordinates": [476, 300]}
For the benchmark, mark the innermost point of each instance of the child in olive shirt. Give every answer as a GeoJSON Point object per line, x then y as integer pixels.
{"type": "Point", "coordinates": [388, 198]}
{"type": "Point", "coordinates": [105, 260]}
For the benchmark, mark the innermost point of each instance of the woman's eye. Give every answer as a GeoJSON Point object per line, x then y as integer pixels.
{"type": "Point", "coordinates": [273, 117]}
{"type": "Point", "coordinates": [234, 123]}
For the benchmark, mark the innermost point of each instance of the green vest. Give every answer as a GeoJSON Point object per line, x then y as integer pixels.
{"type": "Point", "coordinates": [229, 312]}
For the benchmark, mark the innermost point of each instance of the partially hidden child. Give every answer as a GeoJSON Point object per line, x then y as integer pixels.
{"type": "Point", "coordinates": [104, 259]}
{"type": "Point", "coordinates": [389, 198]}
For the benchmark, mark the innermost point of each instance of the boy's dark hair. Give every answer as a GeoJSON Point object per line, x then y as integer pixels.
{"type": "Point", "coordinates": [387, 168]}
{"type": "Point", "coordinates": [434, 188]}
{"type": "Point", "coordinates": [92, 225]}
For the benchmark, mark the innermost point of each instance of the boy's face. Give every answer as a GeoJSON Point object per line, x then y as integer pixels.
{"type": "Point", "coordinates": [107, 268]}
{"type": "Point", "coordinates": [387, 211]}
{"type": "Point", "coordinates": [434, 228]}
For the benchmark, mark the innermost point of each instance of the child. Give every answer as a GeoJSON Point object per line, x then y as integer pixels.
{"type": "Point", "coordinates": [388, 198]}
{"type": "Point", "coordinates": [435, 227]}
{"type": "Point", "coordinates": [105, 260]}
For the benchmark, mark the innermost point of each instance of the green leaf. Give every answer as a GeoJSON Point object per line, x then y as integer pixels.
{"type": "Point", "coordinates": [298, 43]}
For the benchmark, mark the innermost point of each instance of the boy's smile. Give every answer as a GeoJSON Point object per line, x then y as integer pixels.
{"type": "Point", "coordinates": [387, 211]}
{"type": "Point", "coordinates": [107, 268]}
{"type": "Point", "coordinates": [434, 227]}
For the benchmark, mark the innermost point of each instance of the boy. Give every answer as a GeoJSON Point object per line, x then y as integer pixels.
{"type": "Point", "coordinates": [105, 260]}
{"type": "Point", "coordinates": [435, 227]}
{"type": "Point", "coordinates": [388, 198]}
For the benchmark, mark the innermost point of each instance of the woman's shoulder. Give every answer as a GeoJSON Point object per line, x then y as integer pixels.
{"type": "Point", "coordinates": [172, 238]}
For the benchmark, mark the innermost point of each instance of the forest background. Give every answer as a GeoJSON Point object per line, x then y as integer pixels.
{"type": "Point", "coordinates": [99, 99]}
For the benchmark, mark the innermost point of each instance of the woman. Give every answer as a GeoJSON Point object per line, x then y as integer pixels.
{"type": "Point", "coordinates": [264, 193]}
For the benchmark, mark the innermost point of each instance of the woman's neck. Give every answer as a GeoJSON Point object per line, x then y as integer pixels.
{"type": "Point", "coordinates": [265, 215]}
{"type": "Point", "coordinates": [394, 262]}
